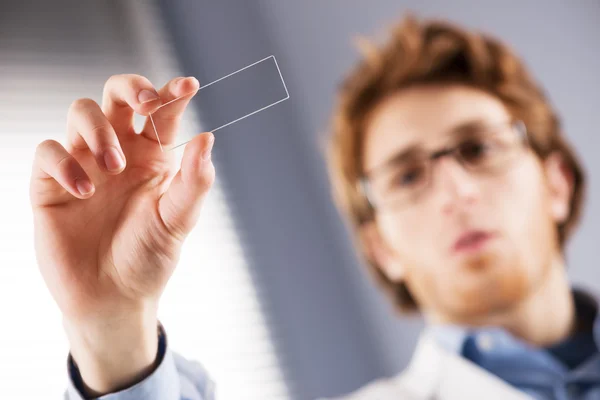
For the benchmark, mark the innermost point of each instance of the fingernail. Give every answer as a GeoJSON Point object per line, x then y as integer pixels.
{"type": "Point", "coordinates": [146, 96]}
{"type": "Point", "coordinates": [206, 154]}
{"type": "Point", "coordinates": [113, 159]}
{"type": "Point", "coordinates": [84, 186]}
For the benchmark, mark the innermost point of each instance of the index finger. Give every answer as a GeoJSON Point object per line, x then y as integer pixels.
{"type": "Point", "coordinates": [163, 123]}
{"type": "Point", "coordinates": [125, 95]}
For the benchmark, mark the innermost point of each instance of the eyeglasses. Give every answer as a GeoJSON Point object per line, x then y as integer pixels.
{"type": "Point", "coordinates": [481, 148]}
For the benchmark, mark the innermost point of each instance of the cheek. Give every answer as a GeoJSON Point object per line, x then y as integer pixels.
{"type": "Point", "coordinates": [526, 206]}
{"type": "Point", "coordinates": [412, 244]}
{"type": "Point", "coordinates": [529, 234]}
{"type": "Point", "coordinates": [408, 236]}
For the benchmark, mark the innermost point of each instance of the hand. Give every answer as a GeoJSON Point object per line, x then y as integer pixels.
{"type": "Point", "coordinates": [110, 215]}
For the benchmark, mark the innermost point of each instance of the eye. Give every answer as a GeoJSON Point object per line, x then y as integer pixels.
{"type": "Point", "coordinates": [409, 176]}
{"type": "Point", "coordinates": [476, 150]}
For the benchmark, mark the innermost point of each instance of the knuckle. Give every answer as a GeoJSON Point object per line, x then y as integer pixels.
{"type": "Point", "coordinates": [135, 78]}
{"type": "Point", "coordinates": [46, 144]}
{"type": "Point", "coordinates": [207, 178]}
{"type": "Point", "coordinates": [114, 78]}
{"type": "Point", "coordinates": [142, 80]}
{"type": "Point", "coordinates": [101, 133]}
{"type": "Point", "coordinates": [126, 80]}
{"type": "Point", "coordinates": [43, 147]}
{"type": "Point", "coordinates": [112, 82]}
{"type": "Point", "coordinates": [65, 164]}
{"type": "Point", "coordinates": [81, 106]}
{"type": "Point", "coordinates": [123, 89]}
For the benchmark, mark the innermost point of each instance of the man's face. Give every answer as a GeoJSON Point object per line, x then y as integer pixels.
{"type": "Point", "coordinates": [473, 241]}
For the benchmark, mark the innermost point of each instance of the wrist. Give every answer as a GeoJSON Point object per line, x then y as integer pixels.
{"type": "Point", "coordinates": [113, 353]}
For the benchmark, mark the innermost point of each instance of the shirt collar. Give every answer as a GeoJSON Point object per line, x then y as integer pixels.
{"type": "Point", "coordinates": [450, 337]}
{"type": "Point", "coordinates": [453, 337]}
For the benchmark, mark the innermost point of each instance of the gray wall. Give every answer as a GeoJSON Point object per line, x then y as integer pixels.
{"type": "Point", "coordinates": [335, 331]}
{"type": "Point", "coordinates": [559, 40]}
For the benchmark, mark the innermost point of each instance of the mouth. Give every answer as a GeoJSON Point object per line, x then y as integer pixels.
{"type": "Point", "coordinates": [472, 241]}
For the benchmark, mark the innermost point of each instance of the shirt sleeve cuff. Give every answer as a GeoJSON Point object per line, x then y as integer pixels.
{"type": "Point", "coordinates": [162, 384]}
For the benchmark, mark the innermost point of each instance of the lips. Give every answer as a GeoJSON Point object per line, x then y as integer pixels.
{"type": "Point", "coordinates": [472, 241]}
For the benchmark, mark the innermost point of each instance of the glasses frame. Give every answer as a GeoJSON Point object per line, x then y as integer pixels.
{"type": "Point", "coordinates": [364, 185]}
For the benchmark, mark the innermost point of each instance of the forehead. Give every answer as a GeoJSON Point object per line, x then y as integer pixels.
{"type": "Point", "coordinates": [424, 115]}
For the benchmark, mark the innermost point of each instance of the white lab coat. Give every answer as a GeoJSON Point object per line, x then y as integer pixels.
{"type": "Point", "coordinates": [434, 373]}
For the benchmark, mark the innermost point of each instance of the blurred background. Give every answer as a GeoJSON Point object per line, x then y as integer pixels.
{"type": "Point", "coordinates": [269, 294]}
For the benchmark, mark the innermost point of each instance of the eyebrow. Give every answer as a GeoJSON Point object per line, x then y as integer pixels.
{"type": "Point", "coordinates": [459, 131]}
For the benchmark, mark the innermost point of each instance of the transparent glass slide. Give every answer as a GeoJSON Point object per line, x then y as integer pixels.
{"type": "Point", "coordinates": [234, 97]}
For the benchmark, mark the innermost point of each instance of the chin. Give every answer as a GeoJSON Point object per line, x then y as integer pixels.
{"type": "Point", "coordinates": [485, 285]}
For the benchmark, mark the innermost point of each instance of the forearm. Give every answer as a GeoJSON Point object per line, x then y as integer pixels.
{"type": "Point", "coordinates": [113, 353]}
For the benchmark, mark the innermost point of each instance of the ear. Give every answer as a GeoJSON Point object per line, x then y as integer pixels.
{"type": "Point", "coordinates": [378, 251]}
{"type": "Point", "coordinates": [560, 181]}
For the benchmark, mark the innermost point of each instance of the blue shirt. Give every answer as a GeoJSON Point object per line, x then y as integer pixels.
{"type": "Point", "coordinates": [567, 370]}
{"type": "Point", "coordinates": [175, 378]}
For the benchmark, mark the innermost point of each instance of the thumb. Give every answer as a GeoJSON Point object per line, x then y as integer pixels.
{"type": "Point", "coordinates": [179, 207]}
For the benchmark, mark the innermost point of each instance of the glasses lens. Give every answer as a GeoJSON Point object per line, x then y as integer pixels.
{"type": "Point", "coordinates": [488, 149]}
{"type": "Point", "coordinates": [485, 149]}
{"type": "Point", "coordinates": [400, 182]}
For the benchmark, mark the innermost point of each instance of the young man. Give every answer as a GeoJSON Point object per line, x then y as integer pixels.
{"type": "Point", "coordinates": [451, 165]}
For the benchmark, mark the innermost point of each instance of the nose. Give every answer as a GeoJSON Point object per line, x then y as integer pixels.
{"type": "Point", "coordinates": [453, 185]}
